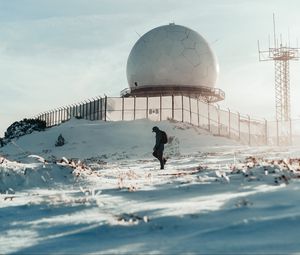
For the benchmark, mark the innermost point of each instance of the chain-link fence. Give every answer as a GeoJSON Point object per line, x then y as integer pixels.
{"type": "Point", "coordinates": [218, 121]}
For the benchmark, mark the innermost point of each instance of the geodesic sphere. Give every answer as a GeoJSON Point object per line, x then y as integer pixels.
{"type": "Point", "coordinates": [171, 55]}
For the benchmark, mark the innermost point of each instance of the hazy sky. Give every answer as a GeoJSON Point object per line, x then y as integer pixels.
{"type": "Point", "coordinates": [57, 52]}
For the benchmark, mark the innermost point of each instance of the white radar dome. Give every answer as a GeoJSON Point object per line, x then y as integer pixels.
{"type": "Point", "coordinates": [172, 55]}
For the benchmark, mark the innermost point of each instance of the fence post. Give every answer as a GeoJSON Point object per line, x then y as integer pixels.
{"type": "Point", "coordinates": [74, 110]}
{"type": "Point", "coordinates": [198, 112]}
{"type": "Point", "coordinates": [239, 125]}
{"type": "Point", "coordinates": [190, 105]}
{"type": "Point", "coordinates": [105, 107]}
{"type": "Point", "coordinates": [208, 116]}
{"type": "Point", "coordinates": [219, 124]}
{"type": "Point", "coordinates": [83, 110]}
{"type": "Point", "coordinates": [86, 109]}
{"type": "Point", "coordinates": [291, 135]}
{"type": "Point", "coordinates": [160, 107]}
{"type": "Point", "coordinates": [101, 108]}
{"type": "Point", "coordinates": [94, 109]}
{"type": "Point", "coordinates": [49, 118]}
{"type": "Point", "coordinates": [249, 131]}
{"type": "Point", "coordinates": [134, 105]}
{"type": "Point", "coordinates": [67, 112]}
{"type": "Point", "coordinates": [172, 107]}
{"type": "Point", "coordinates": [97, 108]}
{"type": "Point", "coordinates": [277, 131]}
{"type": "Point", "coordinates": [122, 108]}
{"type": "Point", "coordinates": [89, 109]}
{"type": "Point", "coordinates": [57, 116]}
{"type": "Point", "coordinates": [60, 115]}
{"type": "Point", "coordinates": [182, 117]}
{"type": "Point", "coordinates": [64, 113]}
{"type": "Point", "coordinates": [45, 119]}
{"type": "Point", "coordinates": [229, 122]}
{"type": "Point", "coordinates": [147, 107]}
{"type": "Point", "coordinates": [71, 111]}
{"type": "Point", "coordinates": [266, 132]}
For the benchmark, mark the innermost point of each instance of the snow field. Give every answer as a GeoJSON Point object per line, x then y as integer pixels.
{"type": "Point", "coordinates": [213, 197]}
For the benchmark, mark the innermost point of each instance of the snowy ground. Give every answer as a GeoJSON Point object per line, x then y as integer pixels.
{"type": "Point", "coordinates": [214, 196]}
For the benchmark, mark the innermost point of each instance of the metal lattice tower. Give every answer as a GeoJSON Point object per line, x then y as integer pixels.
{"type": "Point", "coordinates": [281, 55]}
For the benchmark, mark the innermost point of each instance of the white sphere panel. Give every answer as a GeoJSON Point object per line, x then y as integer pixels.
{"type": "Point", "coordinates": [172, 55]}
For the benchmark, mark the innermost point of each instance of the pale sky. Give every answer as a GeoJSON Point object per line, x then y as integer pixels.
{"type": "Point", "coordinates": [58, 52]}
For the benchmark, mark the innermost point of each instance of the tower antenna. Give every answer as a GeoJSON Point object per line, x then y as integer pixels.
{"type": "Point", "coordinates": [281, 55]}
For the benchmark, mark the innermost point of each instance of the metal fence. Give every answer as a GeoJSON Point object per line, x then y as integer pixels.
{"type": "Point", "coordinates": [211, 117]}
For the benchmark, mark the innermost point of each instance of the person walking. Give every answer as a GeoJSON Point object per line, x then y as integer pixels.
{"type": "Point", "coordinates": [158, 150]}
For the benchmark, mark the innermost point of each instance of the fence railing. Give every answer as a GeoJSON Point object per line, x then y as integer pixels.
{"type": "Point", "coordinates": [180, 108]}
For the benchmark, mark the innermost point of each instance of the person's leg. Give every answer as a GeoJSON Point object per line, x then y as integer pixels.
{"type": "Point", "coordinates": [155, 154]}
{"type": "Point", "coordinates": [160, 158]}
{"type": "Point", "coordinates": [159, 155]}
{"type": "Point", "coordinates": [163, 158]}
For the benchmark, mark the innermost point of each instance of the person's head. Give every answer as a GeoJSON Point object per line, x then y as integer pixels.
{"type": "Point", "coordinates": [155, 129]}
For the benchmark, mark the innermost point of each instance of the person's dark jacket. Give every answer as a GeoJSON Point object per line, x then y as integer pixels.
{"type": "Point", "coordinates": [159, 146]}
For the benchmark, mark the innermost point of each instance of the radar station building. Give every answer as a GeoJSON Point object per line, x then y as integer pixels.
{"type": "Point", "coordinates": [172, 60]}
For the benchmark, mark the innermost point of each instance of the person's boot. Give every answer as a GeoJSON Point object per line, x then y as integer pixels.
{"type": "Point", "coordinates": [162, 164]}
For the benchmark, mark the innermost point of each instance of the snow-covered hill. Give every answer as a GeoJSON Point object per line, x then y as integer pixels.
{"type": "Point", "coordinates": [111, 140]}
{"type": "Point", "coordinates": [103, 193]}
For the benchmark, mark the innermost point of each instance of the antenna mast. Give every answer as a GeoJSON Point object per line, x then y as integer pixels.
{"type": "Point", "coordinates": [281, 55]}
